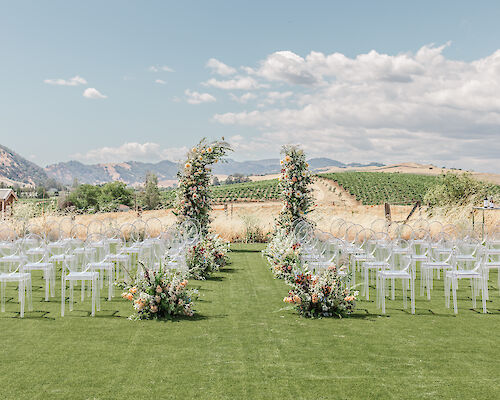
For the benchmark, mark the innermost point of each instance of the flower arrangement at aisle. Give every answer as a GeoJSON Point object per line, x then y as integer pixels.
{"type": "Point", "coordinates": [322, 295]}
{"type": "Point", "coordinates": [194, 195]}
{"type": "Point", "coordinates": [160, 295]}
{"type": "Point", "coordinates": [194, 202]}
{"type": "Point", "coordinates": [206, 256]}
{"type": "Point", "coordinates": [327, 293]}
{"type": "Point", "coordinates": [282, 254]}
{"type": "Point", "coordinates": [294, 182]}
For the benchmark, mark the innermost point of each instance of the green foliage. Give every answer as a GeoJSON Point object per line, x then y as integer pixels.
{"type": "Point", "coordinates": [451, 190]}
{"type": "Point", "coordinates": [378, 187]}
{"type": "Point", "coordinates": [92, 198]}
{"type": "Point", "coordinates": [113, 194]}
{"type": "Point", "coordinates": [150, 199]}
{"type": "Point", "coordinates": [259, 190]}
{"type": "Point", "coordinates": [85, 197]}
{"type": "Point", "coordinates": [41, 192]}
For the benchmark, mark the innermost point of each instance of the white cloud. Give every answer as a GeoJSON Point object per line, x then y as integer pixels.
{"type": "Point", "coordinates": [244, 98]}
{"type": "Point", "coordinates": [92, 93]}
{"type": "Point", "coordinates": [219, 67]}
{"type": "Point", "coordinates": [160, 81]}
{"type": "Point", "coordinates": [193, 97]}
{"type": "Point", "coordinates": [132, 151]}
{"type": "Point", "coordinates": [159, 68]}
{"type": "Point", "coordinates": [75, 81]}
{"type": "Point", "coordinates": [238, 83]}
{"type": "Point", "coordinates": [379, 107]}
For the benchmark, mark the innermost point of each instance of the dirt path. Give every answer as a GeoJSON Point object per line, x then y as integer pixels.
{"type": "Point", "coordinates": [328, 192]}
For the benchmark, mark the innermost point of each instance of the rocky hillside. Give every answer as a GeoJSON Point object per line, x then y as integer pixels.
{"type": "Point", "coordinates": [134, 172]}
{"type": "Point", "coordinates": [16, 170]}
{"type": "Point", "coordinates": [131, 172]}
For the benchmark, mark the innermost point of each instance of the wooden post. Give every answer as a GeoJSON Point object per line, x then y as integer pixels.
{"type": "Point", "coordinates": [417, 204]}
{"type": "Point", "coordinates": [3, 209]}
{"type": "Point", "coordinates": [387, 211]}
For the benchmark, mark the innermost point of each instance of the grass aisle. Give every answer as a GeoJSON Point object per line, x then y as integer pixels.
{"type": "Point", "coordinates": [244, 345]}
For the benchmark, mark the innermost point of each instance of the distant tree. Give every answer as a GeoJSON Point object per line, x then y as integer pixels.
{"type": "Point", "coordinates": [215, 181]}
{"type": "Point", "coordinates": [85, 197]}
{"type": "Point", "coordinates": [75, 183]}
{"type": "Point", "coordinates": [151, 195]}
{"type": "Point", "coordinates": [41, 192]}
{"type": "Point", "coordinates": [236, 178]}
{"type": "Point", "coordinates": [113, 194]}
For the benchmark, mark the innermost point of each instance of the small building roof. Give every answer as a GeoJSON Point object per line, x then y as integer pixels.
{"type": "Point", "coordinates": [6, 193]}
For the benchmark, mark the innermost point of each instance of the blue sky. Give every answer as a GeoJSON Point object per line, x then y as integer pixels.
{"type": "Point", "coordinates": [385, 81]}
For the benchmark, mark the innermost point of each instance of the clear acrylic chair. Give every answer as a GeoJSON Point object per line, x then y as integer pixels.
{"type": "Point", "coordinates": [101, 262]}
{"type": "Point", "coordinates": [398, 270]}
{"type": "Point", "coordinates": [471, 269]}
{"type": "Point", "coordinates": [36, 256]}
{"type": "Point", "coordinates": [383, 254]}
{"type": "Point", "coordinates": [77, 268]}
{"type": "Point", "coordinates": [11, 263]}
{"type": "Point", "coordinates": [117, 255]}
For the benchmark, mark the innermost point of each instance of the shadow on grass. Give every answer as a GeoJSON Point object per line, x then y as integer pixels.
{"type": "Point", "coordinates": [246, 251]}
{"type": "Point", "coordinates": [229, 270]}
{"type": "Point", "coordinates": [195, 317]}
{"type": "Point", "coordinates": [215, 278]}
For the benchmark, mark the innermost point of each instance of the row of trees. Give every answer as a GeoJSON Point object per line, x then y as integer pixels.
{"type": "Point", "coordinates": [110, 196]}
{"type": "Point", "coordinates": [231, 179]}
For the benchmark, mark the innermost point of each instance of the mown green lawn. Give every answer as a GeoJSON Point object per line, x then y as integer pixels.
{"type": "Point", "coordinates": [244, 344]}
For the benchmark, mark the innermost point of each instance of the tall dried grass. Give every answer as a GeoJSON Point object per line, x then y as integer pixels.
{"type": "Point", "coordinates": [254, 221]}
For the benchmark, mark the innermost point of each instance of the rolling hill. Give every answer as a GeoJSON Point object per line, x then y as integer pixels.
{"type": "Point", "coordinates": [16, 170]}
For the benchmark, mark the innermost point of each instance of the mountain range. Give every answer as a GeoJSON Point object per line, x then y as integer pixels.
{"type": "Point", "coordinates": [14, 169]}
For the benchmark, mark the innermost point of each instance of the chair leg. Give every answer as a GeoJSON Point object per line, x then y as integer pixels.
{"type": "Point", "coordinates": [110, 285]}
{"type": "Point", "coordinates": [428, 282]}
{"type": "Point", "coordinates": [382, 278]}
{"type": "Point", "coordinates": [412, 294]}
{"type": "Point", "coordinates": [2, 295]}
{"type": "Point", "coordinates": [473, 292]}
{"type": "Point", "coordinates": [22, 295]}
{"type": "Point", "coordinates": [405, 300]}
{"type": "Point", "coordinates": [367, 285]}
{"type": "Point", "coordinates": [454, 284]}
{"type": "Point", "coordinates": [63, 295]}
{"type": "Point", "coordinates": [29, 293]}
{"type": "Point", "coordinates": [93, 288]}
{"type": "Point", "coordinates": [47, 283]}
{"type": "Point", "coordinates": [71, 290]}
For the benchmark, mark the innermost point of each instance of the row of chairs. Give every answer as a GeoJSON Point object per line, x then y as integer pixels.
{"type": "Point", "coordinates": [96, 260]}
{"type": "Point", "coordinates": [385, 258]}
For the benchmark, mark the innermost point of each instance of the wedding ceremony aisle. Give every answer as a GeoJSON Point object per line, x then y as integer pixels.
{"type": "Point", "coordinates": [244, 342]}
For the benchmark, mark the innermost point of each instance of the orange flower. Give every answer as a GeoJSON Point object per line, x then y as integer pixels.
{"type": "Point", "coordinates": [133, 289]}
{"type": "Point", "coordinates": [130, 296]}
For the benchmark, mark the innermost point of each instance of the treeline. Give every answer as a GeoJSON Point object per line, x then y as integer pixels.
{"type": "Point", "coordinates": [116, 196]}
